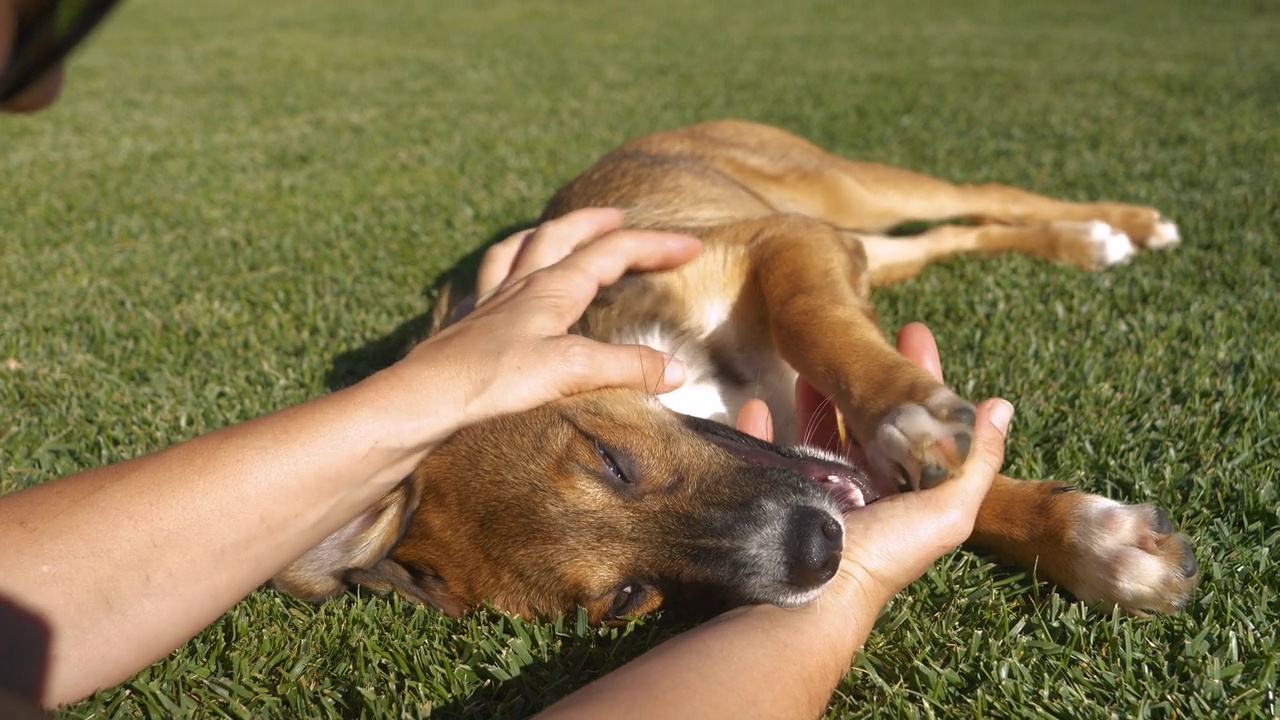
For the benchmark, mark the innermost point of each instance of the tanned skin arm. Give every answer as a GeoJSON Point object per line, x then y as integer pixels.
{"type": "Point", "coordinates": [122, 564]}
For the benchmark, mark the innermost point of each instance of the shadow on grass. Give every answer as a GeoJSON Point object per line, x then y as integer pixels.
{"type": "Point", "coordinates": [25, 639]}
{"type": "Point", "coordinates": [560, 660]}
{"type": "Point", "coordinates": [354, 365]}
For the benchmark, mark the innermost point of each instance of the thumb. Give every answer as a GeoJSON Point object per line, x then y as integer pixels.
{"type": "Point", "coordinates": [986, 455]}
{"type": "Point", "coordinates": [592, 365]}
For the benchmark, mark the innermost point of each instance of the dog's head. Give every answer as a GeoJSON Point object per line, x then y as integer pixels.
{"type": "Point", "coordinates": [609, 501]}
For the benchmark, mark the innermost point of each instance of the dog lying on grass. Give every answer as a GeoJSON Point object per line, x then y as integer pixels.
{"type": "Point", "coordinates": [622, 502]}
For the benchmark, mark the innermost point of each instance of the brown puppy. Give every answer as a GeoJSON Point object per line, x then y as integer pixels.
{"type": "Point", "coordinates": [612, 501]}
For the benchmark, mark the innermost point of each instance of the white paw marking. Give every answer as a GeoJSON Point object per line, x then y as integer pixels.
{"type": "Point", "coordinates": [1110, 246]}
{"type": "Point", "coordinates": [1121, 563]}
{"type": "Point", "coordinates": [1166, 235]}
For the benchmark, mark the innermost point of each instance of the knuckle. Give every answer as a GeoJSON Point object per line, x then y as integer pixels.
{"type": "Point", "coordinates": [577, 355]}
{"type": "Point", "coordinates": [496, 253]}
{"type": "Point", "coordinates": [548, 280]}
{"type": "Point", "coordinates": [565, 281]}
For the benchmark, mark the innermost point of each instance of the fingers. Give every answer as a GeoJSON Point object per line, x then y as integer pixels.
{"type": "Point", "coordinates": [816, 415]}
{"type": "Point", "coordinates": [754, 419]}
{"type": "Point", "coordinates": [499, 259]}
{"type": "Point", "coordinates": [916, 343]}
{"type": "Point", "coordinates": [572, 257]}
{"type": "Point", "coordinates": [816, 418]}
{"type": "Point", "coordinates": [591, 365]}
{"type": "Point", "coordinates": [553, 241]}
{"type": "Point", "coordinates": [567, 287]}
{"type": "Point", "coordinates": [897, 537]}
{"type": "Point", "coordinates": [533, 249]}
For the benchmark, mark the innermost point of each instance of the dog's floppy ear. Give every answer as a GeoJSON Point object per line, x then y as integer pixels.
{"type": "Point", "coordinates": [361, 543]}
{"type": "Point", "coordinates": [420, 584]}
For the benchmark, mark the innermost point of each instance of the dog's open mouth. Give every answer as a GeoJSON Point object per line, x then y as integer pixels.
{"type": "Point", "coordinates": [848, 485]}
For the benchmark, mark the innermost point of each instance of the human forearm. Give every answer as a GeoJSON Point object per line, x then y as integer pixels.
{"type": "Point", "coordinates": [757, 661]}
{"type": "Point", "coordinates": [125, 562]}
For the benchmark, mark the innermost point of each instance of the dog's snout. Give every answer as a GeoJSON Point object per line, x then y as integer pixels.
{"type": "Point", "coordinates": [814, 541]}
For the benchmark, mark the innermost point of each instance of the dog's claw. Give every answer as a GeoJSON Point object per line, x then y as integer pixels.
{"type": "Point", "coordinates": [963, 442]}
{"type": "Point", "coordinates": [1190, 567]}
{"type": "Point", "coordinates": [932, 475]}
{"type": "Point", "coordinates": [924, 442]}
{"type": "Point", "coordinates": [902, 477]}
{"type": "Point", "coordinates": [965, 415]}
{"type": "Point", "coordinates": [1163, 524]}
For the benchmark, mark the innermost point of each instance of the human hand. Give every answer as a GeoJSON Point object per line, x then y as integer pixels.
{"type": "Point", "coordinates": [891, 542]}
{"type": "Point", "coordinates": [512, 352]}
{"type": "Point", "coordinates": [44, 90]}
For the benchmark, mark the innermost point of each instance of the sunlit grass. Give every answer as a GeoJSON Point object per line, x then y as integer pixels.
{"type": "Point", "coordinates": [235, 201]}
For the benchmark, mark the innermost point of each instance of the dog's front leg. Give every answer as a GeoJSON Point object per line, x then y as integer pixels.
{"type": "Point", "coordinates": [812, 284]}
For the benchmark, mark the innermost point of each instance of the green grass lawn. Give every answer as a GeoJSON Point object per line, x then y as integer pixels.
{"type": "Point", "coordinates": [236, 201]}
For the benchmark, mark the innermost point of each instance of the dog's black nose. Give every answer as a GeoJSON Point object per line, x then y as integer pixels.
{"type": "Point", "coordinates": [814, 541]}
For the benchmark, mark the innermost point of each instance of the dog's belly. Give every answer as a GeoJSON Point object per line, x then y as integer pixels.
{"type": "Point", "coordinates": [709, 393]}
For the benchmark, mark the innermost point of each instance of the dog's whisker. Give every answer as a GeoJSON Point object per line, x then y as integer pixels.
{"type": "Point", "coordinates": [812, 424]}
{"type": "Point", "coordinates": [681, 340]}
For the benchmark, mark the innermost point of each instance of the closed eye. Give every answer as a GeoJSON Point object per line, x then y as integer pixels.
{"type": "Point", "coordinates": [626, 599]}
{"type": "Point", "coordinates": [611, 464]}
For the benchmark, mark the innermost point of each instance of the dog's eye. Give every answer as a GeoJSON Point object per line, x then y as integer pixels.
{"type": "Point", "coordinates": [612, 465]}
{"type": "Point", "coordinates": [626, 600]}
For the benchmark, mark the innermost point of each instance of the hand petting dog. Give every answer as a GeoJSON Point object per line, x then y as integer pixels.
{"type": "Point", "coordinates": [533, 286]}
{"type": "Point", "coordinates": [890, 543]}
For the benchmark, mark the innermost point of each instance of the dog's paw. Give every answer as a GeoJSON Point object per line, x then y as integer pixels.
{"type": "Point", "coordinates": [1145, 226]}
{"type": "Point", "coordinates": [1092, 244]}
{"type": "Point", "coordinates": [1129, 556]}
{"type": "Point", "coordinates": [1165, 236]}
{"type": "Point", "coordinates": [919, 444]}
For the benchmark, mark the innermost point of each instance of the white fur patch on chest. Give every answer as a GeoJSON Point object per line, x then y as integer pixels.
{"type": "Point", "coordinates": [706, 394]}
{"type": "Point", "coordinates": [702, 395]}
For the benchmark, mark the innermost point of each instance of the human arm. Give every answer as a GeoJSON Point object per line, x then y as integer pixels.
{"type": "Point", "coordinates": [765, 661]}
{"type": "Point", "coordinates": [124, 563]}
{"type": "Point", "coordinates": [45, 89]}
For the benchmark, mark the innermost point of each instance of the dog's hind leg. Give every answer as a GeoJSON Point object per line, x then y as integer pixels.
{"type": "Point", "coordinates": [1091, 245]}
{"type": "Point", "coordinates": [1104, 552]}
{"type": "Point", "coordinates": [870, 197]}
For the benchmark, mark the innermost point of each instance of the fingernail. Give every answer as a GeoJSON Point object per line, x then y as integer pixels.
{"type": "Point", "coordinates": [1001, 414]}
{"type": "Point", "coordinates": [673, 372]}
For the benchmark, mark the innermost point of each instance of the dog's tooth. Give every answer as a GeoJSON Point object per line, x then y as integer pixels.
{"type": "Point", "coordinates": [856, 497]}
